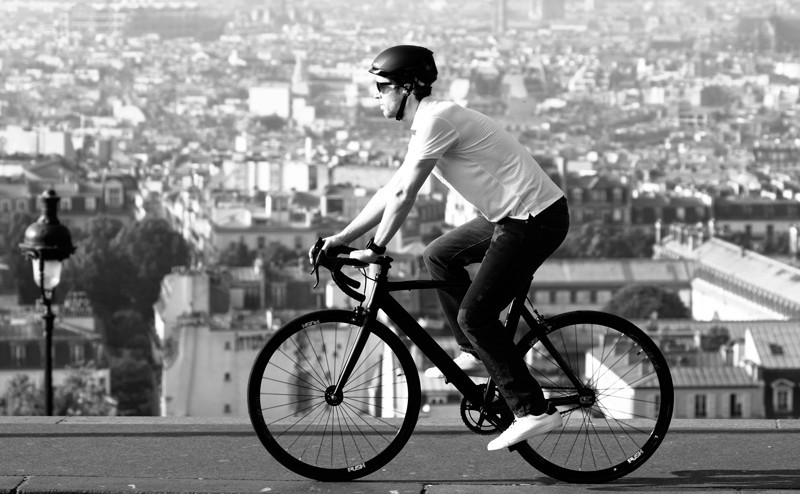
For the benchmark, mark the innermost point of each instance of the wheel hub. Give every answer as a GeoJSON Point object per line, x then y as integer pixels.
{"type": "Point", "coordinates": [333, 398]}
{"type": "Point", "coordinates": [588, 399]}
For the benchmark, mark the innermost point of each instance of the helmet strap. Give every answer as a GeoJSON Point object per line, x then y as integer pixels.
{"type": "Point", "coordinates": [401, 110]}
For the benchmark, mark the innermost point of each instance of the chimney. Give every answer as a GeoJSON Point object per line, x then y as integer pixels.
{"type": "Point", "coordinates": [658, 231]}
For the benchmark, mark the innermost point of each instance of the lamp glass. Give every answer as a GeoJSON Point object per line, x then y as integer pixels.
{"type": "Point", "coordinates": [52, 274]}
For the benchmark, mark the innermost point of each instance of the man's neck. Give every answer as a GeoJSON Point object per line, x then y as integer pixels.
{"type": "Point", "coordinates": [412, 104]}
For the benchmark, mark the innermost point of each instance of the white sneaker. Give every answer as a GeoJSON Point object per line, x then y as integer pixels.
{"type": "Point", "coordinates": [466, 362]}
{"type": "Point", "coordinates": [524, 428]}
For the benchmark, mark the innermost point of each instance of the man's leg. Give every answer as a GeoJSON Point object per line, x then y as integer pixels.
{"type": "Point", "coordinates": [446, 259]}
{"type": "Point", "coordinates": [517, 249]}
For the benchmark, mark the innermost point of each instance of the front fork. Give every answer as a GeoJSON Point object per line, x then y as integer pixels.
{"type": "Point", "coordinates": [365, 318]}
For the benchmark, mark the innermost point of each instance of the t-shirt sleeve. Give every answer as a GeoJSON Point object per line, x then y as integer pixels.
{"type": "Point", "coordinates": [432, 139]}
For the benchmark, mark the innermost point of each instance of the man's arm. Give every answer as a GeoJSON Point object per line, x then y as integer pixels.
{"type": "Point", "coordinates": [368, 217]}
{"type": "Point", "coordinates": [401, 194]}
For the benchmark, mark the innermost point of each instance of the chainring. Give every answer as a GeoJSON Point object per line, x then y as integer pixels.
{"type": "Point", "coordinates": [494, 418]}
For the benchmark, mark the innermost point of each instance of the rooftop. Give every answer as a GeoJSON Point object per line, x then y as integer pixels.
{"type": "Point", "coordinates": [775, 277]}
{"type": "Point", "coordinates": [613, 271]}
{"type": "Point", "coordinates": [778, 347]}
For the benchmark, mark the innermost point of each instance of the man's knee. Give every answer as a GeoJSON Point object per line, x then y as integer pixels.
{"type": "Point", "coordinates": [431, 255]}
{"type": "Point", "coordinates": [472, 321]}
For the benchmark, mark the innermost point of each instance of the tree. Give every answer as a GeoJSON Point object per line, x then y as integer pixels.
{"type": "Point", "coordinates": [22, 397]}
{"type": "Point", "coordinates": [715, 338]}
{"type": "Point", "coordinates": [132, 385]}
{"type": "Point", "coordinates": [99, 269]}
{"type": "Point", "coordinates": [127, 329]}
{"type": "Point", "coordinates": [598, 240]}
{"type": "Point", "coordinates": [153, 248]}
{"type": "Point", "coordinates": [12, 228]}
{"type": "Point", "coordinates": [121, 267]}
{"type": "Point", "coordinates": [236, 255]}
{"type": "Point", "coordinates": [81, 394]}
{"type": "Point", "coordinates": [642, 301]}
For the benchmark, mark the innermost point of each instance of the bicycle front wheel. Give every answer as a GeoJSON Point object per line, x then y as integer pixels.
{"type": "Point", "coordinates": [315, 432]}
{"type": "Point", "coordinates": [620, 422]}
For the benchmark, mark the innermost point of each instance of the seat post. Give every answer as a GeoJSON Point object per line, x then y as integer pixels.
{"type": "Point", "coordinates": [513, 314]}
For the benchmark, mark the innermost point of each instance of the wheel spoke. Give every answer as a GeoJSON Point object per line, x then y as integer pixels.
{"type": "Point", "coordinates": [615, 426]}
{"type": "Point", "coordinates": [313, 430]}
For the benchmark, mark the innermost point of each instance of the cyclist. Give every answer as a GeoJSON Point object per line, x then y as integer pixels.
{"type": "Point", "coordinates": [524, 218]}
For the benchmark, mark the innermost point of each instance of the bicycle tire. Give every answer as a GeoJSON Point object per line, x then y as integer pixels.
{"type": "Point", "coordinates": [322, 439]}
{"type": "Point", "coordinates": [633, 398]}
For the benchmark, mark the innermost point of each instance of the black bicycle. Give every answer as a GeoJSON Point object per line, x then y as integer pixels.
{"type": "Point", "coordinates": [334, 395]}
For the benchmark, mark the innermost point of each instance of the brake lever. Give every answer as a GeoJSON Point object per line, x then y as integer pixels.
{"type": "Point", "coordinates": [317, 254]}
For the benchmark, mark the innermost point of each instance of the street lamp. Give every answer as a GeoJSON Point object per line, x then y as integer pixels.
{"type": "Point", "coordinates": [47, 243]}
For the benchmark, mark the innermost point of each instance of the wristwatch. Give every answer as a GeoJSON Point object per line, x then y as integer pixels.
{"type": "Point", "coordinates": [371, 245]}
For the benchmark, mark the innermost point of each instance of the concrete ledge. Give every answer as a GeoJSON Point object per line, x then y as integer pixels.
{"type": "Point", "coordinates": [237, 426]}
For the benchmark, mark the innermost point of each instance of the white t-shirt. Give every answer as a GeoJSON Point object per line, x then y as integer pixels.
{"type": "Point", "coordinates": [480, 160]}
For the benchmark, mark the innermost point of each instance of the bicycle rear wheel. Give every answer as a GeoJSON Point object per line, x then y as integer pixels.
{"type": "Point", "coordinates": [622, 423]}
{"type": "Point", "coordinates": [308, 428]}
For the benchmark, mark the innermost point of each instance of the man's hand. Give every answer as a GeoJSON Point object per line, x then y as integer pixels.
{"type": "Point", "coordinates": [332, 241]}
{"type": "Point", "coordinates": [365, 255]}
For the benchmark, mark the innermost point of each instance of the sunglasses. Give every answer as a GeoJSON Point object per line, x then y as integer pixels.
{"type": "Point", "coordinates": [383, 85]}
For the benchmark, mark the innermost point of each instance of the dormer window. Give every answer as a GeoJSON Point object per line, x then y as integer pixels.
{"type": "Point", "coordinates": [114, 197]}
{"type": "Point", "coordinates": [782, 395]}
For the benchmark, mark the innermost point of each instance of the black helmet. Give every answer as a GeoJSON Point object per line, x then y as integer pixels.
{"type": "Point", "coordinates": [406, 64]}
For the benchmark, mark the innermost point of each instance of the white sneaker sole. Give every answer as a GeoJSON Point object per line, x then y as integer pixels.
{"type": "Point", "coordinates": [437, 374]}
{"type": "Point", "coordinates": [549, 427]}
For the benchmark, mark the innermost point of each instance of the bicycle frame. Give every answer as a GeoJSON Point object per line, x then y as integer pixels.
{"type": "Point", "coordinates": [382, 300]}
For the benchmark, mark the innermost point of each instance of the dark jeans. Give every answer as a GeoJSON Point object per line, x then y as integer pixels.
{"type": "Point", "coordinates": [509, 252]}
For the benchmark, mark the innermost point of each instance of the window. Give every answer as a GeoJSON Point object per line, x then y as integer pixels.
{"type": "Point", "coordinates": [22, 204]}
{"type": "Point", "coordinates": [583, 296]}
{"type": "Point", "coordinates": [603, 296]}
{"type": "Point", "coordinates": [5, 206]}
{"type": "Point", "coordinates": [18, 355]}
{"type": "Point", "coordinates": [782, 401]}
{"type": "Point", "coordinates": [76, 352]}
{"type": "Point", "coordinates": [227, 408]}
{"type": "Point", "coordinates": [736, 406]}
{"type": "Point", "coordinates": [114, 197]}
{"type": "Point", "coordinates": [91, 203]}
{"type": "Point", "coordinates": [227, 377]}
{"type": "Point", "coordinates": [700, 406]}
{"type": "Point", "coordinates": [617, 194]}
{"type": "Point", "coordinates": [65, 204]}
{"type": "Point", "coordinates": [782, 395]}
{"type": "Point", "coordinates": [227, 345]}
{"type": "Point", "coordinates": [563, 297]}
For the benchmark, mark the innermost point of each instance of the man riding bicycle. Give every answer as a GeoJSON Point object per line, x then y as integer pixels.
{"type": "Point", "coordinates": [524, 218]}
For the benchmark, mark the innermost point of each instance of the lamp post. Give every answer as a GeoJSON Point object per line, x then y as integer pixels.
{"type": "Point", "coordinates": [47, 242]}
